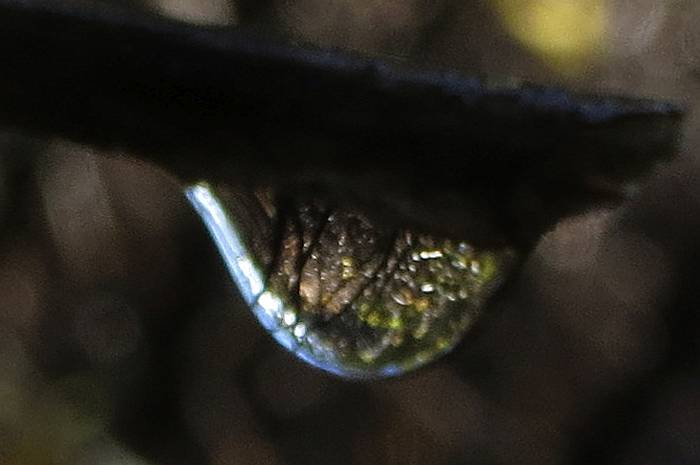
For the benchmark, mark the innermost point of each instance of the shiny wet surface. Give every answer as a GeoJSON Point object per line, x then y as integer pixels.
{"type": "Point", "coordinates": [348, 296]}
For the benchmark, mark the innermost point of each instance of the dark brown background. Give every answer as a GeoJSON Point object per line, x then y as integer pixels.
{"type": "Point", "coordinates": [122, 341]}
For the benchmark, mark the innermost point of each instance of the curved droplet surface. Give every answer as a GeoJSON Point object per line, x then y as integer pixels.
{"type": "Point", "coordinates": [344, 294]}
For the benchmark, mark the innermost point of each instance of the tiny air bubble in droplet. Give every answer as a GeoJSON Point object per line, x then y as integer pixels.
{"type": "Point", "coordinates": [300, 330]}
{"type": "Point", "coordinates": [427, 288]}
{"type": "Point", "coordinates": [289, 318]}
{"type": "Point", "coordinates": [475, 267]}
{"type": "Point", "coordinates": [430, 254]}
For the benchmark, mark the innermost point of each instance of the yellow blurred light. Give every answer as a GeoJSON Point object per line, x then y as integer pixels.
{"type": "Point", "coordinates": [557, 30]}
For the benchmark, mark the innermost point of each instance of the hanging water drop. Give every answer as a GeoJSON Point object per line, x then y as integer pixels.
{"type": "Point", "coordinates": [344, 294]}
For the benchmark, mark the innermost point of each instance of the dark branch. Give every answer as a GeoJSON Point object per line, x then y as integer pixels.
{"type": "Point", "coordinates": [213, 103]}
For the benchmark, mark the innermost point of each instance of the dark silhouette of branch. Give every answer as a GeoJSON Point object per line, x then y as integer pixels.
{"type": "Point", "coordinates": [490, 161]}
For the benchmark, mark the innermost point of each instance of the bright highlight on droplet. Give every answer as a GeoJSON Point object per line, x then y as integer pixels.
{"type": "Point", "coordinates": [225, 235]}
{"type": "Point", "coordinates": [346, 295]}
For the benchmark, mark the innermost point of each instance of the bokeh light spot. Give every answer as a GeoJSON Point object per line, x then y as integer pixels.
{"type": "Point", "coordinates": [562, 32]}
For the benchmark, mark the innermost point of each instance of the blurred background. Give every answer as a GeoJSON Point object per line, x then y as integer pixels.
{"type": "Point", "coordinates": [122, 341]}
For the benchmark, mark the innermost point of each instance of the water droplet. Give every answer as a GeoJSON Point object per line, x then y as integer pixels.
{"type": "Point", "coordinates": [343, 294]}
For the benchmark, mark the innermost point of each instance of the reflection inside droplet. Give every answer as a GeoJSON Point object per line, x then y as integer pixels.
{"type": "Point", "coordinates": [346, 295]}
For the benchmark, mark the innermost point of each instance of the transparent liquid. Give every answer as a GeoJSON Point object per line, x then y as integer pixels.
{"type": "Point", "coordinates": [343, 294]}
